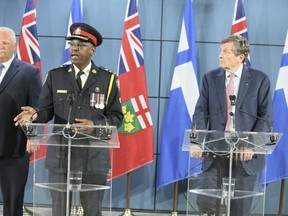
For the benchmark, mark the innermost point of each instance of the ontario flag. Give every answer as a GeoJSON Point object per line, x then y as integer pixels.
{"type": "Point", "coordinates": [239, 24]}
{"type": "Point", "coordinates": [28, 50]}
{"type": "Point", "coordinates": [136, 134]}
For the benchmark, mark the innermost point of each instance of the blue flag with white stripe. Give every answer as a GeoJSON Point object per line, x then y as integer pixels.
{"type": "Point", "coordinates": [76, 15]}
{"type": "Point", "coordinates": [277, 162]}
{"type": "Point", "coordinates": [184, 92]}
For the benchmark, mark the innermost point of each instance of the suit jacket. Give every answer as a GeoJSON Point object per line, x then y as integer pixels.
{"type": "Point", "coordinates": [254, 97]}
{"type": "Point", "coordinates": [58, 88]}
{"type": "Point", "coordinates": [20, 86]}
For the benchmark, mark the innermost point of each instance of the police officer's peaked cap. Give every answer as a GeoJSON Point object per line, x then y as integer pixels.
{"type": "Point", "coordinates": [85, 32]}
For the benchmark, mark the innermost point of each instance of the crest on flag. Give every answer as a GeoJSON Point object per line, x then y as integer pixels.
{"type": "Point", "coordinates": [136, 115]}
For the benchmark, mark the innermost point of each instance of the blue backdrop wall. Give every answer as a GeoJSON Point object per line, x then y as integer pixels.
{"type": "Point", "coordinates": [160, 22]}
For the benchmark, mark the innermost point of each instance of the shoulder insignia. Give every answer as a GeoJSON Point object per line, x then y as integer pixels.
{"type": "Point", "coordinates": [63, 66]}
{"type": "Point", "coordinates": [106, 69]}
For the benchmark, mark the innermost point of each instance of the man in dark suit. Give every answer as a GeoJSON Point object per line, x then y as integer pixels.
{"type": "Point", "coordinates": [96, 101]}
{"type": "Point", "coordinates": [20, 86]}
{"type": "Point", "coordinates": [252, 90]}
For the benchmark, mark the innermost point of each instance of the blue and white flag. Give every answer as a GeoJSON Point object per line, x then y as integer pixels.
{"type": "Point", "coordinates": [277, 162]}
{"type": "Point", "coordinates": [173, 162]}
{"type": "Point", "coordinates": [76, 15]}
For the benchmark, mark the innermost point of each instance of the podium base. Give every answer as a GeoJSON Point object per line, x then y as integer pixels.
{"type": "Point", "coordinates": [77, 211]}
{"type": "Point", "coordinates": [127, 212]}
{"type": "Point", "coordinates": [27, 212]}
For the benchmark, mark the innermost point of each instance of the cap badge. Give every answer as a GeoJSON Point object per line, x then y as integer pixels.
{"type": "Point", "coordinates": [78, 31]}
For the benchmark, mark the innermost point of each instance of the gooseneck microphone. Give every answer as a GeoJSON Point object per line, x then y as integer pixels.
{"type": "Point", "coordinates": [104, 133]}
{"type": "Point", "coordinates": [193, 134]}
{"type": "Point", "coordinates": [71, 100]}
{"type": "Point", "coordinates": [273, 136]}
{"type": "Point", "coordinates": [29, 128]}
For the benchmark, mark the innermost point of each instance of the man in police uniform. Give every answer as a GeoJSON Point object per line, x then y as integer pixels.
{"type": "Point", "coordinates": [95, 100]}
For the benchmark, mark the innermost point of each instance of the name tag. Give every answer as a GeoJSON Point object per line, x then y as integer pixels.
{"type": "Point", "coordinates": [62, 91]}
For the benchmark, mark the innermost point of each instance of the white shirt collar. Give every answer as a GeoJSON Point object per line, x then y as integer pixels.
{"type": "Point", "coordinates": [238, 72]}
{"type": "Point", "coordinates": [8, 63]}
{"type": "Point", "coordinates": [86, 70]}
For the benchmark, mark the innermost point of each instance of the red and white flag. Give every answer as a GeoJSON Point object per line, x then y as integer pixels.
{"type": "Point", "coordinates": [136, 134]}
{"type": "Point", "coordinates": [28, 50]}
{"type": "Point", "coordinates": [239, 24]}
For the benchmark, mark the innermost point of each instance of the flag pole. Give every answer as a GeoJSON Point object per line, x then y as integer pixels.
{"type": "Point", "coordinates": [175, 200]}
{"type": "Point", "coordinates": [281, 197]}
{"type": "Point", "coordinates": [127, 211]}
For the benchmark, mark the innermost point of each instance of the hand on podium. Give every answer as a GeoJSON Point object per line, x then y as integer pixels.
{"type": "Point", "coordinates": [28, 114]}
{"type": "Point", "coordinates": [196, 152]}
{"type": "Point", "coordinates": [84, 122]}
{"type": "Point", "coordinates": [31, 148]}
{"type": "Point", "coordinates": [244, 154]}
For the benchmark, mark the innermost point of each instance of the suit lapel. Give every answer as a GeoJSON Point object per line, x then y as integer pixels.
{"type": "Point", "coordinates": [91, 78]}
{"type": "Point", "coordinates": [70, 77]}
{"type": "Point", "coordinates": [11, 72]}
{"type": "Point", "coordinates": [244, 85]}
{"type": "Point", "coordinates": [220, 88]}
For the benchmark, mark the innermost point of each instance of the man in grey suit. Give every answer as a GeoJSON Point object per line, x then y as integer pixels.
{"type": "Point", "coordinates": [253, 98]}
{"type": "Point", "coordinates": [20, 86]}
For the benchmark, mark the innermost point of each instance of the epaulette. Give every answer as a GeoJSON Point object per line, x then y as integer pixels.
{"type": "Point", "coordinates": [106, 69]}
{"type": "Point", "coordinates": [61, 66]}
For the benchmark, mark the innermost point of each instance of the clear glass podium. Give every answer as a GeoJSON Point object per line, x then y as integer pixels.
{"type": "Point", "coordinates": [221, 183]}
{"type": "Point", "coordinates": [78, 161]}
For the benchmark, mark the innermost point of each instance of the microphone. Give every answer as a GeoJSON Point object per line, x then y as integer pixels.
{"type": "Point", "coordinates": [29, 128]}
{"type": "Point", "coordinates": [104, 132]}
{"type": "Point", "coordinates": [273, 136]}
{"type": "Point", "coordinates": [193, 134]}
{"type": "Point", "coordinates": [71, 100]}
{"type": "Point", "coordinates": [232, 100]}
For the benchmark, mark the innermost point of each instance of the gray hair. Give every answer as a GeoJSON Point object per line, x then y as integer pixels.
{"type": "Point", "coordinates": [9, 31]}
{"type": "Point", "coordinates": [240, 45]}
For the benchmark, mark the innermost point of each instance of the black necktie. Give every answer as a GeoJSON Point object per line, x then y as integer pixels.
{"type": "Point", "coordinates": [78, 79]}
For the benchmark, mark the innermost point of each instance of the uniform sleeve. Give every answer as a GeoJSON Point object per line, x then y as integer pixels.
{"type": "Point", "coordinates": [113, 110]}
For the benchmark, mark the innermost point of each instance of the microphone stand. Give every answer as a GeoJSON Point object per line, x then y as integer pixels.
{"type": "Point", "coordinates": [232, 140]}
{"type": "Point", "coordinates": [67, 128]}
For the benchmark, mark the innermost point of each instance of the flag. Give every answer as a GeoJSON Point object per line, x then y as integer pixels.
{"type": "Point", "coordinates": [136, 134]}
{"type": "Point", "coordinates": [28, 50]}
{"type": "Point", "coordinates": [76, 15]}
{"type": "Point", "coordinates": [239, 24]}
{"type": "Point", "coordinates": [277, 162]}
{"type": "Point", "coordinates": [184, 92]}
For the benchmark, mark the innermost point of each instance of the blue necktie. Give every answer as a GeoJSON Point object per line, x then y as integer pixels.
{"type": "Point", "coordinates": [1, 68]}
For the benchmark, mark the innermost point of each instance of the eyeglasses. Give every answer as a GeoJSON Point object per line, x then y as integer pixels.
{"type": "Point", "coordinates": [80, 46]}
